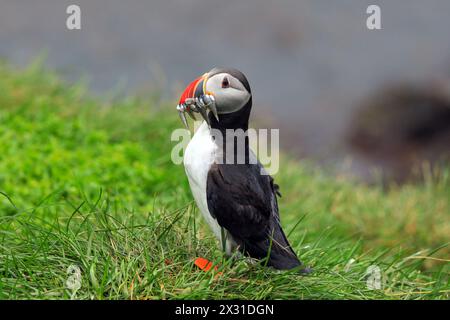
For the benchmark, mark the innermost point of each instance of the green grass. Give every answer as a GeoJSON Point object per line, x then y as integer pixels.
{"type": "Point", "coordinates": [90, 183]}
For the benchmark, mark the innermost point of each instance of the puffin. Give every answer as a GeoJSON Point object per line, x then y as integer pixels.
{"type": "Point", "coordinates": [237, 198]}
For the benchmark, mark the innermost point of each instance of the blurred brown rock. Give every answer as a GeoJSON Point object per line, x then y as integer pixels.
{"type": "Point", "coordinates": [402, 127]}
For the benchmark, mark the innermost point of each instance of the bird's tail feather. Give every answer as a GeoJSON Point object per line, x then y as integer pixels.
{"type": "Point", "coordinates": [275, 249]}
{"type": "Point", "coordinates": [281, 255]}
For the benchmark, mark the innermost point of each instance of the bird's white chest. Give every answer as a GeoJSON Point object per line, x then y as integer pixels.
{"type": "Point", "coordinates": [200, 154]}
{"type": "Point", "coordinates": [198, 158]}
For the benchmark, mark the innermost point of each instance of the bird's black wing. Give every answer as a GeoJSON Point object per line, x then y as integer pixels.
{"type": "Point", "coordinates": [244, 203]}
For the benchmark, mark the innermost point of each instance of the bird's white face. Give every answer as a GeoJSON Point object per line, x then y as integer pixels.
{"type": "Point", "coordinates": [229, 93]}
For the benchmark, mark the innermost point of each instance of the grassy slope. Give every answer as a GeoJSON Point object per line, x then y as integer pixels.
{"type": "Point", "coordinates": [87, 183]}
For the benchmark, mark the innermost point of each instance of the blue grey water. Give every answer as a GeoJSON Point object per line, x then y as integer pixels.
{"type": "Point", "coordinates": [308, 62]}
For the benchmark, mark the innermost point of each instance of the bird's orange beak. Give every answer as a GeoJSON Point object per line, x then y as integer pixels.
{"type": "Point", "coordinates": [195, 99]}
{"type": "Point", "coordinates": [194, 90]}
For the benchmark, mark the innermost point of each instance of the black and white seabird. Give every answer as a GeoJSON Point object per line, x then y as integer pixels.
{"type": "Point", "coordinates": [237, 201]}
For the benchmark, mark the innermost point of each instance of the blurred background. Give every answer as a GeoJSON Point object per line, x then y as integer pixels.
{"type": "Point", "coordinates": [361, 102]}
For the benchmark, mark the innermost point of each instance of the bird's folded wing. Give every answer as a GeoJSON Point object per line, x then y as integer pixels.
{"type": "Point", "coordinates": [242, 200]}
{"type": "Point", "coordinates": [244, 203]}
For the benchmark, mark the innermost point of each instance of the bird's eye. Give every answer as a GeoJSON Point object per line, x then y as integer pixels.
{"type": "Point", "coordinates": [225, 83]}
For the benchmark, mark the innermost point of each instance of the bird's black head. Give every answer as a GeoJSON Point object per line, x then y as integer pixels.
{"type": "Point", "coordinates": [231, 92]}
{"type": "Point", "coordinates": [233, 98]}
{"type": "Point", "coordinates": [230, 89]}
